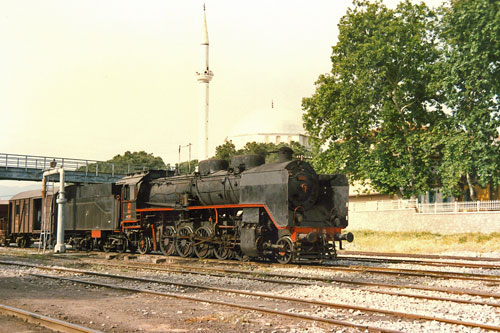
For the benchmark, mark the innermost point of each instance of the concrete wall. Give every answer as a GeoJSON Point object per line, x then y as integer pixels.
{"type": "Point", "coordinates": [409, 220]}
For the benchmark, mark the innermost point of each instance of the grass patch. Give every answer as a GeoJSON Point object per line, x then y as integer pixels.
{"type": "Point", "coordinates": [423, 242]}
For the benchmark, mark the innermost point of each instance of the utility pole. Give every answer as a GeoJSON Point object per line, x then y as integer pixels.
{"type": "Point", "coordinates": [189, 160]}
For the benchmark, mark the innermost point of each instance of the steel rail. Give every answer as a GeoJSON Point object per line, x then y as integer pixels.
{"type": "Point", "coordinates": [202, 271]}
{"type": "Point", "coordinates": [264, 295]}
{"type": "Point", "coordinates": [420, 262]}
{"type": "Point", "coordinates": [48, 322]}
{"type": "Point", "coordinates": [345, 281]}
{"type": "Point", "coordinates": [351, 281]}
{"type": "Point", "coordinates": [418, 256]}
{"type": "Point", "coordinates": [191, 271]}
{"type": "Point", "coordinates": [383, 292]}
{"type": "Point", "coordinates": [418, 272]}
{"type": "Point", "coordinates": [378, 270]}
{"type": "Point", "coordinates": [211, 301]}
{"type": "Point", "coordinates": [320, 303]}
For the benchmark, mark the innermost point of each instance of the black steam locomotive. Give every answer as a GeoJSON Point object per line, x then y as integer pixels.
{"type": "Point", "coordinates": [282, 211]}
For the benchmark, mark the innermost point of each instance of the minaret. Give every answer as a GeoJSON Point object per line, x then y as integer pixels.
{"type": "Point", "coordinates": [204, 77]}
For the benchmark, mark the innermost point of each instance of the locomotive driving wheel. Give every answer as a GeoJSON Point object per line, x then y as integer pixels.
{"type": "Point", "coordinates": [203, 247]}
{"type": "Point", "coordinates": [184, 242]}
{"type": "Point", "coordinates": [221, 249]}
{"type": "Point", "coordinates": [286, 253]}
{"type": "Point", "coordinates": [144, 244]}
{"type": "Point", "coordinates": [167, 241]}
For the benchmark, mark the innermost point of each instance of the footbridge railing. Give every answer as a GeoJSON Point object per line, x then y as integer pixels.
{"type": "Point", "coordinates": [30, 167]}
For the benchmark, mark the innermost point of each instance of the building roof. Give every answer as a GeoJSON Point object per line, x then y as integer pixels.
{"type": "Point", "coordinates": [29, 194]}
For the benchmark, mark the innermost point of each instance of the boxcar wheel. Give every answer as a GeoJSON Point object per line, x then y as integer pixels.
{"type": "Point", "coordinates": [107, 246]}
{"type": "Point", "coordinates": [22, 242]}
{"type": "Point", "coordinates": [119, 244]}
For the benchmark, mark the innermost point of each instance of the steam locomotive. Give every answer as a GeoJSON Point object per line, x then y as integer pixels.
{"type": "Point", "coordinates": [281, 211]}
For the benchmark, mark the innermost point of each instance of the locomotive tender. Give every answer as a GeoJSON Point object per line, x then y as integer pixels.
{"type": "Point", "coordinates": [283, 211]}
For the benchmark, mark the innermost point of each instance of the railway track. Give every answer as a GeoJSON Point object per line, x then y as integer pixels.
{"type": "Point", "coordinates": [490, 278]}
{"type": "Point", "coordinates": [278, 278]}
{"type": "Point", "coordinates": [258, 275]}
{"type": "Point", "coordinates": [208, 300]}
{"type": "Point", "coordinates": [416, 273]}
{"type": "Point", "coordinates": [423, 262]}
{"type": "Point", "coordinates": [417, 256]}
{"type": "Point", "coordinates": [274, 297]}
{"type": "Point", "coordinates": [358, 256]}
{"type": "Point", "coordinates": [45, 321]}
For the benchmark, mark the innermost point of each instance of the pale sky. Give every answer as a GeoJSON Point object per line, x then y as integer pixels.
{"type": "Point", "coordinates": [91, 79]}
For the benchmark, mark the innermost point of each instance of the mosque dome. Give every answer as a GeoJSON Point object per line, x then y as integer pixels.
{"type": "Point", "coordinates": [271, 125]}
{"type": "Point", "coordinates": [270, 120]}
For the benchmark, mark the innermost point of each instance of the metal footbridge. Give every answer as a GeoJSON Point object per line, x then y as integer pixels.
{"type": "Point", "coordinates": [27, 167]}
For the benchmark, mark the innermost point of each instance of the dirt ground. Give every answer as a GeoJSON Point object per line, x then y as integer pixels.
{"type": "Point", "coordinates": [119, 311]}
{"type": "Point", "coordinates": [11, 324]}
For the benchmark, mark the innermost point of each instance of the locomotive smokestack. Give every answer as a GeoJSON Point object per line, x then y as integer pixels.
{"type": "Point", "coordinates": [285, 154]}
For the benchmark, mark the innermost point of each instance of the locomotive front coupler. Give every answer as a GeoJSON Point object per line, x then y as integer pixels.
{"type": "Point", "coordinates": [349, 237]}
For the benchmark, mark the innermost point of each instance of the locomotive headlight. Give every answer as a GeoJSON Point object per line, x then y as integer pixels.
{"type": "Point", "coordinates": [299, 218]}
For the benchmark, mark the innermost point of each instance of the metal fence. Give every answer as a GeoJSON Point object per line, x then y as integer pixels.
{"type": "Point", "coordinates": [459, 207]}
{"type": "Point", "coordinates": [382, 205]}
{"type": "Point", "coordinates": [70, 164]}
{"type": "Point", "coordinates": [425, 208]}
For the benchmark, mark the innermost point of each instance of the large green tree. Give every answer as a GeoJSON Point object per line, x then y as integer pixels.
{"type": "Point", "coordinates": [128, 162]}
{"type": "Point", "coordinates": [376, 113]}
{"type": "Point", "coordinates": [471, 84]}
{"type": "Point", "coordinates": [140, 158]}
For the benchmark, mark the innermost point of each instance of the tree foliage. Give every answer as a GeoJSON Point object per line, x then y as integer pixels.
{"type": "Point", "coordinates": [372, 111]}
{"type": "Point", "coordinates": [471, 84]}
{"type": "Point", "coordinates": [140, 158]}
{"type": "Point", "coordinates": [126, 163]}
{"type": "Point", "coordinates": [227, 150]}
{"type": "Point", "coordinates": [186, 167]}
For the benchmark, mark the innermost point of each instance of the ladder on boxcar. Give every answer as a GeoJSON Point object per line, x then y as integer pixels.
{"type": "Point", "coordinates": [46, 228]}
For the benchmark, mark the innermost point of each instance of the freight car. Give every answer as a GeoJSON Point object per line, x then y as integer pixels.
{"type": "Point", "coordinates": [89, 207]}
{"type": "Point", "coordinates": [24, 218]}
{"type": "Point", "coordinates": [282, 211]}
{"type": "Point", "coordinates": [4, 215]}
